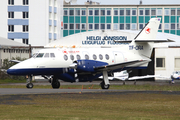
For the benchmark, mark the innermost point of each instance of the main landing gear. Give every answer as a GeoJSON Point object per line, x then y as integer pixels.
{"type": "Point", "coordinates": [105, 83]}
{"type": "Point", "coordinates": [55, 83]}
{"type": "Point", "coordinates": [28, 81]}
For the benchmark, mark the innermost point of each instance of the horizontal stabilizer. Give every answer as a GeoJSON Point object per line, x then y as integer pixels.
{"type": "Point", "coordinates": [155, 41]}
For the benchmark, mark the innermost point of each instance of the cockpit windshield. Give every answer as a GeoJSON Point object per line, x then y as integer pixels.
{"type": "Point", "coordinates": [40, 55]}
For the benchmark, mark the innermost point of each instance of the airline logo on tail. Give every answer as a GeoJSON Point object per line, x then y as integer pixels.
{"type": "Point", "coordinates": [147, 30]}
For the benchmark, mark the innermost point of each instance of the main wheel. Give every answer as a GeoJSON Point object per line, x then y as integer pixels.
{"type": "Point", "coordinates": [29, 85]}
{"type": "Point", "coordinates": [55, 84]}
{"type": "Point", "coordinates": [103, 86]}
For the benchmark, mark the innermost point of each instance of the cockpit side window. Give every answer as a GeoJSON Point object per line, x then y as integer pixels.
{"type": "Point", "coordinates": [52, 55]}
{"type": "Point", "coordinates": [46, 55]}
{"type": "Point", "coordinates": [40, 55]}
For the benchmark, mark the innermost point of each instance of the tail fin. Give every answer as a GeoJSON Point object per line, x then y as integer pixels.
{"type": "Point", "coordinates": [149, 32]}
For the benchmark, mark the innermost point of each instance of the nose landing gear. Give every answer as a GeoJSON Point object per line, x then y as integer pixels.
{"type": "Point", "coordinates": [28, 81]}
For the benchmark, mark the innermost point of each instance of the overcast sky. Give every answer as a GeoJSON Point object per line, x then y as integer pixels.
{"type": "Point", "coordinates": [131, 2]}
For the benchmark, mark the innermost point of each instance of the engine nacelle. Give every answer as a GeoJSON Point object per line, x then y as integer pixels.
{"type": "Point", "coordinates": [89, 65]}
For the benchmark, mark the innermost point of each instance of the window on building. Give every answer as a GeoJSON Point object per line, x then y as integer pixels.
{"type": "Point", "coordinates": [128, 12]}
{"type": "Point", "coordinates": [166, 26]}
{"type": "Point", "coordinates": [102, 12]}
{"type": "Point", "coordinates": [10, 14]}
{"type": "Point", "coordinates": [77, 12]}
{"type": "Point", "coordinates": [178, 12]}
{"type": "Point", "coordinates": [177, 62]}
{"type": "Point", "coordinates": [147, 12]}
{"type": "Point", "coordinates": [71, 12]}
{"type": "Point", "coordinates": [108, 26]}
{"type": "Point", "coordinates": [25, 41]}
{"type": "Point", "coordinates": [127, 26]}
{"type": "Point", "coordinates": [133, 12]}
{"type": "Point", "coordinates": [141, 12]}
{"type": "Point", "coordinates": [90, 12]}
{"type": "Point", "coordinates": [96, 26]}
{"type": "Point", "coordinates": [65, 12]}
{"type": "Point", "coordinates": [83, 12]}
{"type": "Point", "coordinates": [160, 62]}
{"type": "Point", "coordinates": [159, 11]}
{"type": "Point", "coordinates": [83, 26]}
{"type": "Point", "coordinates": [11, 28]}
{"type": "Point", "coordinates": [108, 12]}
{"type": "Point", "coordinates": [25, 2]}
{"type": "Point", "coordinates": [134, 26]}
{"type": "Point", "coordinates": [141, 26]}
{"type": "Point", "coordinates": [173, 12]}
{"type": "Point", "coordinates": [65, 26]}
{"type": "Point", "coordinates": [90, 26]}
{"type": "Point", "coordinates": [166, 12]}
{"type": "Point", "coordinates": [77, 26]}
{"type": "Point", "coordinates": [71, 26]}
{"type": "Point", "coordinates": [11, 2]}
{"type": "Point", "coordinates": [102, 26]}
{"type": "Point", "coordinates": [173, 26]}
{"type": "Point", "coordinates": [115, 26]}
{"type": "Point", "coordinates": [121, 26]}
{"type": "Point", "coordinates": [25, 28]}
{"type": "Point", "coordinates": [153, 12]}
{"type": "Point", "coordinates": [96, 12]}
{"type": "Point", "coordinates": [121, 12]}
{"type": "Point", "coordinates": [178, 27]}
{"type": "Point", "coordinates": [25, 15]}
{"type": "Point", "coordinates": [115, 12]}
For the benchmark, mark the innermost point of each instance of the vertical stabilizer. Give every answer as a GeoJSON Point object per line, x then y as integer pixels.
{"type": "Point", "coordinates": [149, 32]}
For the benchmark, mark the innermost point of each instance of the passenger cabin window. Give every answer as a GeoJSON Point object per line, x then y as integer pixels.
{"type": "Point", "coordinates": [52, 55]}
{"type": "Point", "coordinates": [65, 57]}
{"type": "Point", "coordinates": [100, 57]}
{"type": "Point", "coordinates": [86, 57]}
{"type": "Point", "coordinates": [40, 55]}
{"type": "Point", "coordinates": [78, 57]}
{"type": "Point", "coordinates": [94, 57]}
{"type": "Point", "coordinates": [72, 57]}
{"type": "Point", "coordinates": [107, 57]}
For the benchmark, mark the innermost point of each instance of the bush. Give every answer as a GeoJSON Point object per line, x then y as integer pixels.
{"type": "Point", "coordinates": [7, 65]}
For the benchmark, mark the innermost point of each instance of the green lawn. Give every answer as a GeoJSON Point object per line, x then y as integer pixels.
{"type": "Point", "coordinates": [91, 106]}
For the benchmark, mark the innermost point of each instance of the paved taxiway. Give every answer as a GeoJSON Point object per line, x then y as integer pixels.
{"type": "Point", "coordinates": [13, 91]}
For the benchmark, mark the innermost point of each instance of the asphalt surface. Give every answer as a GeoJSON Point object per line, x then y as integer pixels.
{"type": "Point", "coordinates": [16, 91]}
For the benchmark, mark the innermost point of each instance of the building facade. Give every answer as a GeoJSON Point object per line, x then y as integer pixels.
{"type": "Point", "coordinates": [81, 18]}
{"type": "Point", "coordinates": [35, 22]}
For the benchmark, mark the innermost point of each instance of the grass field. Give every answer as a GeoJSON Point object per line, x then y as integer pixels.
{"type": "Point", "coordinates": [91, 106]}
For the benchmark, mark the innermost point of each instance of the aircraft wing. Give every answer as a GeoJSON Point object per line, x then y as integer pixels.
{"type": "Point", "coordinates": [120, 65]}
{"type": "Point", "coordinates": [16, 61]}
{"type": "Point", "coordinates": [143, 77]}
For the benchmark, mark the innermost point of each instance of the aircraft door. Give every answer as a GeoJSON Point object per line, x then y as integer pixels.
{"type": "Point", "coordinates": [118, 57]}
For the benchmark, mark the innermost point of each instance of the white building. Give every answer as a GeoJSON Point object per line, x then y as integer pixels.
{"type": "Point", "coordinates": [35, 22]}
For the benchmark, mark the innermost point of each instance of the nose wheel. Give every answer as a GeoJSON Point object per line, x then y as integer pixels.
{"type": "Point", "coordinates": [29, 84]}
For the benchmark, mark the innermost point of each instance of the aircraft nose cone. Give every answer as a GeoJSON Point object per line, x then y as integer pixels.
{"type": "Point", "coordinates": [11, 71]}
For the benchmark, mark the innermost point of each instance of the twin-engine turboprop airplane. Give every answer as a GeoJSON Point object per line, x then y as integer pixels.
{"type": "Point", "coordinates": [86, 64]}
